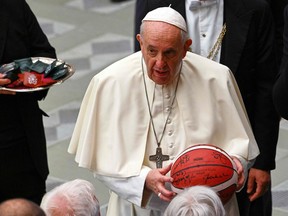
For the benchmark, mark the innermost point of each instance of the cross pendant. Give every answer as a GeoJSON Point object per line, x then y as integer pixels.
{"type": "Point", "coordinates": [158, 157]}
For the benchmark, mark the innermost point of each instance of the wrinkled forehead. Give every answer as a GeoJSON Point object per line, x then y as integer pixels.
{"type": "Point", "coordinates": [161, 36]}
{"type": "Point", "coordinates": [155, 30]}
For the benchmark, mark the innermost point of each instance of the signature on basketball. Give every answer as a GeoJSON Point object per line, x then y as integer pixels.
{"type": "Point", "coordinates": [220, 156]}
{"type": "Point", "coordinates": [209, 177]}
{"type": "Point", "coordinates": [187, 178]}
{"type": "Point", "coordinates": [182, 161]}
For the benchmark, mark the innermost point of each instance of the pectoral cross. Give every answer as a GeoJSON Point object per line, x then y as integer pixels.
{"type": "Point", "coordinates": [158, 157]}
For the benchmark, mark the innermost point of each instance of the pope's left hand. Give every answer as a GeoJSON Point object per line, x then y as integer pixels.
{"type": "Point", "coordinates": [258, 183]}
{"type": "Point", "coordinates": [240, 171]}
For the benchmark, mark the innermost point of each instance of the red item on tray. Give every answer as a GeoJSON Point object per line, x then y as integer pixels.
{"type": "Point", "coordinates": [31, 80]}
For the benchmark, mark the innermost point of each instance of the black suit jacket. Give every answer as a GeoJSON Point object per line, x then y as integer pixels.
{"type": "Point", "coordinates": [248, 50]}
{"type": "Point", "coordinates": [280, 94]}
{"type": "Point", "coordinates": [277, 7]}
{"type": "Point", "coordinates": [21, 117]}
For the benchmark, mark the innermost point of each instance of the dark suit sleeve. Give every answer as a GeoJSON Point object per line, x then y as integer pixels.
{"type": "Point", "coordinates": [265, 120]}
{"type": "Point", "coordinates": [38, 42]}
{"type": "Point", "coordinates": [280, 91]}
{"type": "Point", "coordinates": [277, 8]}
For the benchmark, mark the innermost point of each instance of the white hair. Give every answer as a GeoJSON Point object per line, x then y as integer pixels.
{"type": "Point", "coordinates": [73, 198]}
{"type": "Point", "coordinates": [196, 201]}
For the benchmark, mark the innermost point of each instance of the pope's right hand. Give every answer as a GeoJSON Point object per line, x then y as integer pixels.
{"type": "Point", "coordinates": [155, 181]}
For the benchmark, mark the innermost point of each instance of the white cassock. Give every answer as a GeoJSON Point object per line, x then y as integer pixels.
{"type": "Point", "coordinates": [113, 136]}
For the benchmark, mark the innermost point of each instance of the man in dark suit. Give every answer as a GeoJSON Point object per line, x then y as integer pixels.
{"type": "Point", "coordinates": [248, 50]}
{"type": "Point", "coordinates": [23, 156]}
{"type": "Point", "coordinates": [277, 7]}
{"type": "Point", "coordinates": [280, 91]}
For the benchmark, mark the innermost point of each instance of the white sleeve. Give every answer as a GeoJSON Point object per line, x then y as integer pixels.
{"type": "Point", "coordinates": [130, 189]}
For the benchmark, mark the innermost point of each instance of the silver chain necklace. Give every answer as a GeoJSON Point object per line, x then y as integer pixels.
{"type": "Point", "coordinates": [159, 157]}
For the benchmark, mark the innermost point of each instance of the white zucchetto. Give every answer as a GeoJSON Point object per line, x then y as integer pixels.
{"type": "Point", "coordinates": [167, 15]}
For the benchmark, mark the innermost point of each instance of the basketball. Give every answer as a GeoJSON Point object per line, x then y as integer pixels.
{"type": "Point", "coordinates": [205, 164]}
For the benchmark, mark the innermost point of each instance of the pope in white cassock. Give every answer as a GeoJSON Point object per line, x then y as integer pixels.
{"type": "Point", "coordinates": [162, 99]}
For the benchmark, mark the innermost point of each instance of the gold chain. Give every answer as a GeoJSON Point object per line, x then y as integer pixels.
{"type": "Point", "coordinates": [215, 49]}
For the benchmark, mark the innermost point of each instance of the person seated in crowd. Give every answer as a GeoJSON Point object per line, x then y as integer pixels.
{"type": "Point", "coordinates": [196, 201]}
{"type": "Point", "coordinates": [73, 198]}
{"type": "Point", "coordinates": [20, 207]}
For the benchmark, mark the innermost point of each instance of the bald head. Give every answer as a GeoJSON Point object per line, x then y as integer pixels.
{"type": "Point", "coordinates": [20, 207]}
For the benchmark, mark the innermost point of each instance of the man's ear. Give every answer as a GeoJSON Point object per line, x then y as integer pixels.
{"type": "Point", "coordinates": [187, 45]}
{"type": "Point", "coordinates": [138, 37]}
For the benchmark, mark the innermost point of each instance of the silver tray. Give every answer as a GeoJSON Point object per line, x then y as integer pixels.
{"type": "Point", "coordinates": [71, 71]}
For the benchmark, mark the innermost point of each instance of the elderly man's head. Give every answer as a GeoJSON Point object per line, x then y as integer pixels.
{"type": "Point", "coordinates": [164, 42]}
{"type": "Point", "coordinates": [77, 197]}
{"type": "Point", "coordinates": [20, 207]}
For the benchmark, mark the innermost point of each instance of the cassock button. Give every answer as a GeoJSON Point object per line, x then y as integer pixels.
{"type": "Point", "coordinates": [167, 96]}
{"type": "Point", "coordinates": [170, 132]}
{"type": "Point", "coordinates": [167, 109]}
{"type": "Point", "coordinates": [171, 145]}
{"type": "Point", "coordinates": [169, 121]}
